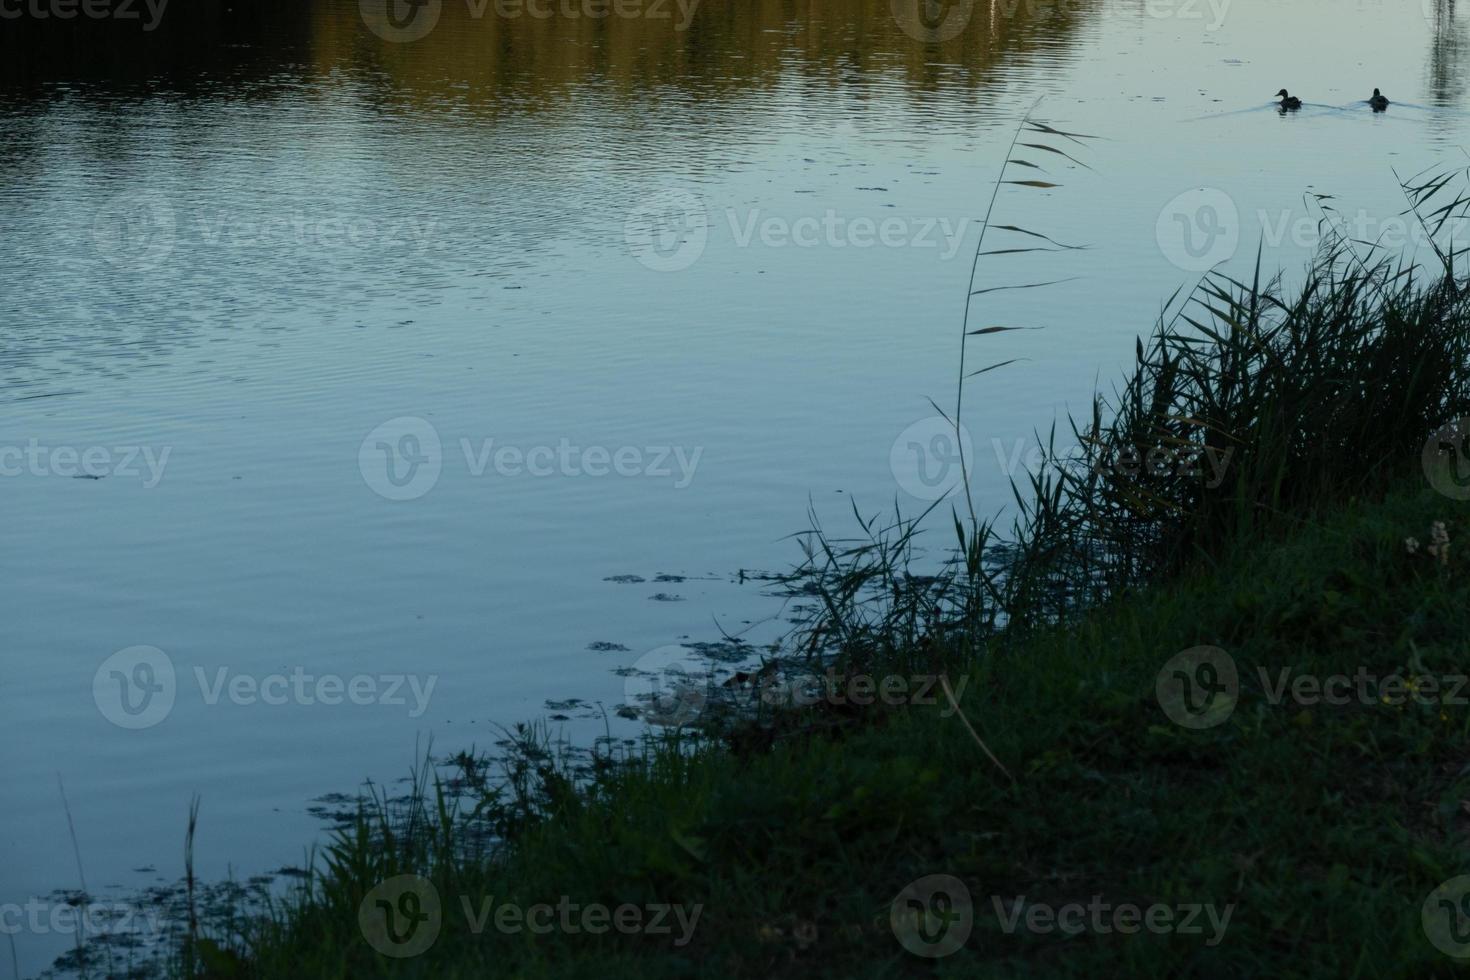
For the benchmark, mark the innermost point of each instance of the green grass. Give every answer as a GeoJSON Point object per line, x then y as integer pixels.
{"type": "Point", "coordinates": [1324, 827]}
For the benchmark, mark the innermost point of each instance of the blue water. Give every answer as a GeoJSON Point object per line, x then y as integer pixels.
{"type": "Point", "coordinates": [653, 291]}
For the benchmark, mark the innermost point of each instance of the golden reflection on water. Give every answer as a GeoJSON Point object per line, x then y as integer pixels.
{"type": "Point", "coordinates": [484, 52]}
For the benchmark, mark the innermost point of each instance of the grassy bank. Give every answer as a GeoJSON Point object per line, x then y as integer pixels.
{"type": "Point", "coordinates": [1160, 727]}
{"type": "Point", "coordinates": [1322, 828]}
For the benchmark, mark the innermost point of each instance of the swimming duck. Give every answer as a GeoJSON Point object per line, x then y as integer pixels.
{"type": "Point", "coordinates": [1289, 101]}
{"type": "Point", "coordinates": [1379, 102]}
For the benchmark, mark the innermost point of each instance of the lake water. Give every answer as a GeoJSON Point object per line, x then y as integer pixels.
{"type": "Point", "coordinates": [459, 371]}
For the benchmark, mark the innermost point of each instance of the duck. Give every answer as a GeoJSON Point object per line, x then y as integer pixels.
{"type": "Point", "coordinates": [1379, 102]}
{"type": "Point", "coordinates": [1289, 101]}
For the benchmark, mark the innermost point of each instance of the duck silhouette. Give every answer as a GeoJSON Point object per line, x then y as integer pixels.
{"type": "Point", "coordinates": [1379, 102]}
{"type": "Point", "coordinates": [1290, 101]}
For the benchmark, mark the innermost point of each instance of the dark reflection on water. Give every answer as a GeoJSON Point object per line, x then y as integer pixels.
{"type": "Point", "coordinates": [1446, 65]}
{"type": "Point", "coordinates": [510, 54]}
{"type": "Point", "coordinates": [176, 165]}
{"type": "Point", "coordinates": [187, 40]}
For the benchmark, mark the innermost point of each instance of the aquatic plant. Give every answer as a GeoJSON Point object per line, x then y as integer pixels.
{"type": "Point", "coordinates": [1250, 405]}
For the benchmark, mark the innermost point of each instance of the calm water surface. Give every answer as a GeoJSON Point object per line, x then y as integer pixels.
{"type": "Point", "coordinates": [248, 260]}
